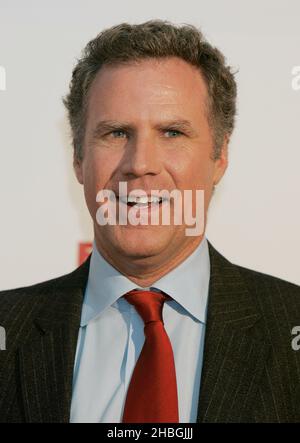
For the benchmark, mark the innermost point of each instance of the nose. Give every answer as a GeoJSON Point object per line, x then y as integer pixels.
{"type": "Point", "coordinates": [141, 157]}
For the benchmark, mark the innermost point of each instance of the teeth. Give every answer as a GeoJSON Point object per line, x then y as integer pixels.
{"type": "Point", "coordinates": [140, 200]}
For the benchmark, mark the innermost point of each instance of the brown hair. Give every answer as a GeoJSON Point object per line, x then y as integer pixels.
{"type": "Point", "coordinates": [125, 43]}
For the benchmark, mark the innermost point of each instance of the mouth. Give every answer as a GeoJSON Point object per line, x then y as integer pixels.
{"type": "Point", "coordinates": [141, 202]}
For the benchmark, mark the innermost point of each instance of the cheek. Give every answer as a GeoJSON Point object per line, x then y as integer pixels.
{"type": "Point", "coordinates": [94, 179]}
{"type": "Point", "coordinates": [192, 172]}
{"type": "Point", "coordinates": [97, 169]}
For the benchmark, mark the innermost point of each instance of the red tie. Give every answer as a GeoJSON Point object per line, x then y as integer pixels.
{"type": "Point", "coordinates": [152, 392]}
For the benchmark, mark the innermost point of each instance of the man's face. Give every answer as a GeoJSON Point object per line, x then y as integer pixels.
{"type": "Point", "coordinates": [149, 148]}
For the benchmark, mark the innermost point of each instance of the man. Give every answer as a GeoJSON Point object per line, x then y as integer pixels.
{"type": "Point", "coordinates": [156, 326]}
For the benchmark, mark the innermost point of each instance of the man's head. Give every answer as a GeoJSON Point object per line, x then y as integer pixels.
{"type": "Point", "coordinates": [157, 39]}
{"type": "Point", "coordinates": [152, 105]}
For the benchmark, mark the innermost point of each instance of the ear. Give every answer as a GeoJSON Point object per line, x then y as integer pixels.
{"type": "Point", "coordinates": [222, 162]}
{"type": "Point", "coordinates": [77, 165]}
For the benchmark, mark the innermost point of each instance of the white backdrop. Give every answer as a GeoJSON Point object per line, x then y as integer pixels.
{"type": "Point", "coordinates": [254, 218]}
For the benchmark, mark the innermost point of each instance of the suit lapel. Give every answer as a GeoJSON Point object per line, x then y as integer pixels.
{"type": "Point", "coordinates": [235, 349]}
{"type": "Point", "coordinates": [46, 361]}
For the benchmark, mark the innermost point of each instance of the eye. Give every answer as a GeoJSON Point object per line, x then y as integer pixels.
{"type": "Point", "coordinates": [173, 133]}
{"type": "Point", "coordinates": [118, 133]}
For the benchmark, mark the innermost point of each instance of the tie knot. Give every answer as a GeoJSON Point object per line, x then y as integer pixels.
{"type": "Point", "coordinates": [149, 304]}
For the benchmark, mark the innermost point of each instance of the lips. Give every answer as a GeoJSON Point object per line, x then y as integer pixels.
{"type": "Point", "coordinates": [143, 202]}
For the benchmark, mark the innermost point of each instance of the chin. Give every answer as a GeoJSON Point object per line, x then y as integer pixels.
{"type": "Point", "coordinates": [141, 245]}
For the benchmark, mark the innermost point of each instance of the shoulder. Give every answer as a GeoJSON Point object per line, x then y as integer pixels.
{"type": "Point", "coordinates": [263, 283]}
{"type": "Point", "coordinates": [20, 306]}
{"type": "Point", "coordinates": [278, 299]}
{"type": "Point", "coordinates": [22, 296]}
{"type": "Point", "coordinates": [257, 280]}
{"type": "Point", "coordinates": [27, 301]}
{"type": "Point", "coordinates": [272, 295]}
{"type": "Point", "coordinates": [26, 293]}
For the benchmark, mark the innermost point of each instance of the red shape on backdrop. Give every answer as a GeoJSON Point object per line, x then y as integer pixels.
{"type": "Point", "coordinates": [85, 250]}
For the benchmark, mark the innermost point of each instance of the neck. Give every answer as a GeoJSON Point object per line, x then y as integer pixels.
{"type": "Point", "coordinates": [147, 270]}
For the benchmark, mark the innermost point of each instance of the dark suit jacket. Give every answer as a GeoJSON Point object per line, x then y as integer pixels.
{"type": "Point", "coordinates": [250, 373]}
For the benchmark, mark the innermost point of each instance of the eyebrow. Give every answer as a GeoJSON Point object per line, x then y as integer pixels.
{"type": "Point", "coordinates": [104, 126]}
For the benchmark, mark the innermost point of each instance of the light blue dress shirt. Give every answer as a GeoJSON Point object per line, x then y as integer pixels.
{"type": "Point", "coordinates": [111, 337]}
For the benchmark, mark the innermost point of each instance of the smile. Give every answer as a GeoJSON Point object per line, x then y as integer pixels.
{"type": "Point", "coordinates": [141, 201]}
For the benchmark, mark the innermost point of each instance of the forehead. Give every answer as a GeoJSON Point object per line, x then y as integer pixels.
{"type": "Point", "coordinates": [148, 84]}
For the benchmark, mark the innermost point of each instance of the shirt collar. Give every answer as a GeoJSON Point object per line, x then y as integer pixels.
{"type": "Point", "coordinates": [187, 284]}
